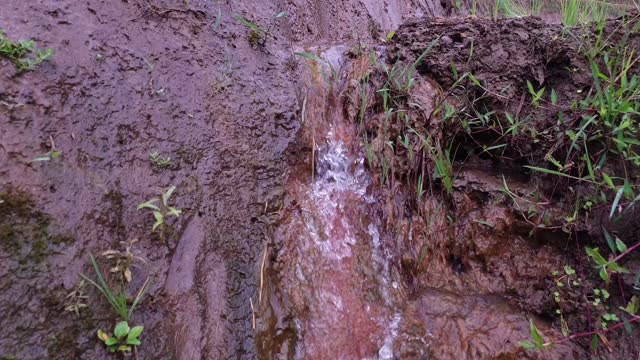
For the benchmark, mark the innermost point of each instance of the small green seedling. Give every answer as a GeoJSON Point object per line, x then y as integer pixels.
{"type": "Point", "coordinates": [22, 53]}
{"type": "Point", "coordinates": [538, 343]}
{"type": "Point", "coordinates": [160, 161]}
{"type": "Point", "coordinates": [162, 210]}
{"type": "Point", "coordinates": [123, 339]}
{"type": "Point", "coordinates": [603, 265]}
{"type": "Point", "coordinates": [48, 156]}
{"type": "Point", "coordinates": [535, 95]}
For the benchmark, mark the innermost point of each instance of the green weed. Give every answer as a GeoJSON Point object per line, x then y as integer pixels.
{"type": "Point", "coordinates": [257, 35]}
{"type": "Point", "coordinates": [535, 95]}
{"type": "Point", "coordinates": [607, 131]}
{"type": "Point", "coordinates": [123, 337]}
{"type": "Point", "coordinates": [161, 209]}
{"type": "Point", "coordinates": [117, 298]}
{"type": "Point", "coordinates": [47, 156]}
{"type": "Point", "coordinates": [23, 53]}
{"type": "Point", "coordinates": [159, 160]}
{"type": "Point", "coordinates": [508, 8]}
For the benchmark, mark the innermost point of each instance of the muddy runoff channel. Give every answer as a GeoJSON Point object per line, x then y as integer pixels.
{"type": "Point", "coordinates": [331, 284]}
{"type": "Point", "coordinates": [289, 246]}
{"type": "Point", "coordinates": [361, 268]}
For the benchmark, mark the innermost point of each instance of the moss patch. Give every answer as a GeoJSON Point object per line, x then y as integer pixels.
{"type": "Point", "coordinates": [24, 231]}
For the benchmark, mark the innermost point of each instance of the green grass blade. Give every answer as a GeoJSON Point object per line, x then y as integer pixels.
{"type": "Point", "coordinates": [310, 57]}
{"type": "Point", "coordinates": [139, 296]}
{"type": "Point", "coordinates": [426, 52]}
{"type": "Point", "coordinates": [249, 24]}
{"type": "Point", "coordinates": [557, 173]}
{"type": "Point", "coordinates": [615, 202]}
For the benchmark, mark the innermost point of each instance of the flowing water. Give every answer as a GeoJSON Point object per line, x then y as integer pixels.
{"type": "Point", "coordinates": [332, 288]}
{"type": "Point", "coordinates": [332, 265]}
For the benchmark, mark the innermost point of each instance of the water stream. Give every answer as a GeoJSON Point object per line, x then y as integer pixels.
{"type": "Point", "coordinates": [332, 266]}
{"type": "Point", "coordinates": [332, 285]}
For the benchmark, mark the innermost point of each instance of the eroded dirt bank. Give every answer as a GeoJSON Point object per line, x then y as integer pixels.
{"type": "Point", "coordinates": [468, 267]}
{"type": "Point", "coordinates": [128, 78]}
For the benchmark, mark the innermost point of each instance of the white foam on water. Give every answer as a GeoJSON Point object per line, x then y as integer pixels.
{"type": "Point", "coordinates": [386, 351]}
{"type": "Point", "coordinates": [337, 174]}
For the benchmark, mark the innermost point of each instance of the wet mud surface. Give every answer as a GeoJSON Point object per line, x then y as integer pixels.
{"type": "Point", "coordinates": [129, 78]}
{"type": "Point", "coordinates": [287, 246]}
{"type": "Point", "coordinates": [465, 274]}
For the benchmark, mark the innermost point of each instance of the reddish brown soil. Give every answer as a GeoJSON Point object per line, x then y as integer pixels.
{"type": "Point", "coordinates": [128, 78]}
{"type": "Point", "coordinates": [476, 240]}
{"type": "Point", "coordinates": [134, 76]}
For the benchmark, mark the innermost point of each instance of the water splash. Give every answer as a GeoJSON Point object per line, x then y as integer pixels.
{"type": "Point", "coordinates": [333, 266]}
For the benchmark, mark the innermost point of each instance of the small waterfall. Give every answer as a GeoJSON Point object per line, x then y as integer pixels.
{"type": "Point", "coordinates": [333, 267]}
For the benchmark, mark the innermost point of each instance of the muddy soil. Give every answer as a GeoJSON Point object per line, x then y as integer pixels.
{"type": "Point", "coordinates": [129, 78]}
{"type": "Point", "coordinates": [458, 275]}
{"type": "Point", "coordinates": [483, 239]}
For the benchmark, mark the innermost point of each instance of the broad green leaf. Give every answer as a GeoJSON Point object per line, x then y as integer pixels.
{"type": "Point", "coordinates": [564, 327]}
{"type": "Point", "coordinates": [627, 325]}
{"type": "Point", "coordinates": [390, 35]}
{"type": "Point", "coordinates": [134, 342]}
{"type": "Point", "coordinates": [595, 255]}
{"type": "Point", "coordinates": [175, 212]}
{"type": "Point", "coordinates": [111, 341]}
{"type": "Point", "coordinates": [155, 225]}
{"type": "Point", "coordinates": [609, 239]}
{"type": "Point", "coordinates": [603, 274]}
{"type": "Point", "coordinates": [554, 97]}
{"type": "Point", "coordinates": [530, 87]}
{"type": "Point", "coordinates": [569, 270]}
{"type": "Point", "coordinates": [135, 332]}
{"type": "Point", "coordinates": [620, 245]}
{"type": "Point", "coordinates": [535, 335]}
{"type": "Point", "coordinates": [124, 348]}
{"type": "Point", "coordinates": [121, 329]}
{"type": "Point", "coordinates": [613, 266]}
